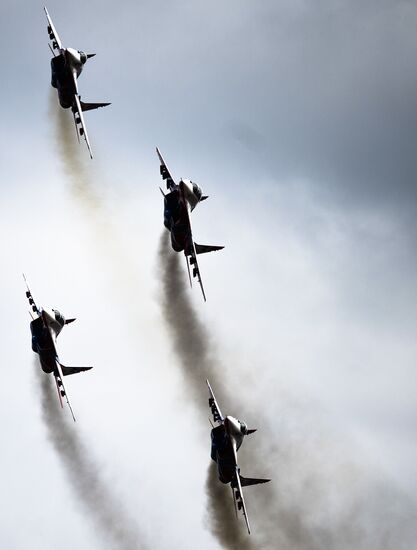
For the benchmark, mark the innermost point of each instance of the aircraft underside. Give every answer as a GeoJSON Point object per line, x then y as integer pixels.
{"type": "Point", "coordinates": [176, 221]}
{"type": "Point", "coordinates": [62, 80]}
{"type": "Point", "coordinates": [222, 454]}
{"type": "Point", "coordinates": [42, 345]}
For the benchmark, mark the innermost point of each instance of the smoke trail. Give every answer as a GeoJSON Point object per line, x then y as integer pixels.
{"type": "Point", "coordinates": [106, 512]}
{"type": "Point", "coordinates": [317, 498]}
{"type": "Point", "coordinates": [191, 341]}
{"type": "Point", "coordinates": [221, 514]}
{"type": "Point", "coordinates": [192, 344]}
{"type": "Point", "coordinates": [81, 471]}
{"type": "Point", "coordinates": [88, 189]}
{"type": "Point", "coordinates": [80, 173]}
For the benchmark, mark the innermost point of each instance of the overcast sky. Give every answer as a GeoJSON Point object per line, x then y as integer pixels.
{"type": "Point", "coordinates": [298, 119]}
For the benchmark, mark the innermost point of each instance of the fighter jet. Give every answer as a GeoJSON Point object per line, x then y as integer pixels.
{"type": "Point", "coordinates": [226, 439]}
{"type": "Point", "coordinates": [67, 65]}
{"type": "Point", "coordinates": [45, 327]}
{"type": "Point", "coordinates": [178, 204]}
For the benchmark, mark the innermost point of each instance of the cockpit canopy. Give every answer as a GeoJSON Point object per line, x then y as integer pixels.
{"type": "Point", "coordinates": [197, 190]}
{"type": "Point", "coordinates": [83, 56]}
{"type": "Point", "coordinates": [243, 427]}
{"type": "Point", "coordinates": [59, 317]}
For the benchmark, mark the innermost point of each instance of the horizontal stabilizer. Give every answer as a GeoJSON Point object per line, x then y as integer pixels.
{"type": "Point", "coordinates": [204, 197]}
{"type": "Point", "coordinates": [245, 481]}
{"type": "Point", "coordinates": [91, 106]}
{"type": "Point", "coordinates": [248, 432]}
{"type": "Point", "coordinates": [66, 371]}
{"type": "Point", "coordinates": [203, 248]}
{"type": "Point", "coordinates": [68, 321]}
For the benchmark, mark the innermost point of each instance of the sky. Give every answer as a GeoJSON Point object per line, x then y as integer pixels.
{"type": "Point", "coordinates": [298, 120]}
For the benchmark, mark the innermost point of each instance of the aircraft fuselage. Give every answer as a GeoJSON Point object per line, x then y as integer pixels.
{"type": "Point", "coordinates": [177, 205]}
{"type": "Point", "coordinates": [66, 68]}
{"type": "Point", "coordinates": [44, 331]}
{"type": "Point", "coordinates": [226, 440]}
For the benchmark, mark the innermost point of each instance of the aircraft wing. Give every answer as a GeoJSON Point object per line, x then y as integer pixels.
{"type": "Point", "coordinates": [62, 392]}
{"type": "Point", "coordinates": [165, 173]}
{"type": "Point", "coordinates": [239, 500]}
{"type": "Point", "coordinates": [60, 371]}
{"type": "Point", "coordinates": [53, 35]}
{"type": "Point", "coordinates": [215, 409]}
{"type": "Point", "coordinates": [58, 374]}
{"type": "Point", "coordinates": [196, 269]}
{"type": "Point", "coordinates": [79, 121]}
{"type": "Point", "coordinates": [30, 298]}
{"type": "Point", "coordinates": [191, 253]}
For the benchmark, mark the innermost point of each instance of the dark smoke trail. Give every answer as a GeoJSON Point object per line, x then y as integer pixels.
{"type": "Point", "coordinates": [193, 346]}
{"type": "Point", "coordinates": [81, 471]}
{"type": "Point", "coordinates": [221, 514]}
{"type": "Point", "coordinates": [192, 342]}
{"type": "Point", "coordinates": [79, 171]}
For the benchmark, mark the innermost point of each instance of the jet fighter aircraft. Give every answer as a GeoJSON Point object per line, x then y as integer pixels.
{"type": "Point", "coordinates": [226, 439]}
{"type": "Point", "coordinates": [45, 328]}
{"type": "Point", "coordinates": [178, 204]}
{"type": "Point", "coordinates": [67, 65]}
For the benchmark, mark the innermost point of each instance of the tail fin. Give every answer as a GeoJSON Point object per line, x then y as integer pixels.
{"type": "Point", "coordinates": [91, 106]}
{"type": "Point", "coordinates": [203, 248]}
{"type": "Point", "coordinates": [68, 321]}
{"type": "Point", "coordinates": [66, 371]}
{"type": "Point", "coordinates": [245, 481]}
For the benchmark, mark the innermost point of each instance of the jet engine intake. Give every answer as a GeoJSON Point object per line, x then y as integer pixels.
{"type": "Point", "coordinates": [85, 56]}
